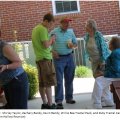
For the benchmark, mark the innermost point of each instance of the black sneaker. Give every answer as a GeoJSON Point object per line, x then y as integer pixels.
{"type": "Point", "coordinates": [70, 101]}
{"type": "Point", "coordinates": [59, 106]}
{"type": "Point", "coordinates": [44, 106]}
{"type": "Point", "coordinates": [53, 106]}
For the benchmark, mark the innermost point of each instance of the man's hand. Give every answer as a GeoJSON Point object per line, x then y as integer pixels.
{"type": "Point", "coordinates": [52, 39]}
{"type": "Point", "coordinates": [71, 45]}
{"type": "Point", "coordinates": [48, 43]}
{"type": "Point", "coordinates": [55, 55]}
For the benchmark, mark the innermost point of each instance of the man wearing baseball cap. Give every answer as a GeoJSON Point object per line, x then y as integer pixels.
{"type": "Point", "coordinates": [63, 60]}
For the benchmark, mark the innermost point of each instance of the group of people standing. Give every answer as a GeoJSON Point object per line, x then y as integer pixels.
{"type": "Point", "coordinates": [54, 60]}
{"type": "Point", "coordinates": [59, 44]}
{"type": "Point", "coordinates": [55, 50]}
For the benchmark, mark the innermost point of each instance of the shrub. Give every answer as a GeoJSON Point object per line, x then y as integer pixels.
{"type": "Point", "coordinates": [17, 47]}
{"type": "Point", "coordinates": [30, 70]}
{"type": "Point", "coordinates": [33, 79]}
{"type": "Point", "coordinates": [83, 72]}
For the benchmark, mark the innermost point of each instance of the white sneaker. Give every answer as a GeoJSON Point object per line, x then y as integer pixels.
{"type": "Point", "coordinates": [107, 103]}
{"type": "Point", "coordinates": [97, 106]}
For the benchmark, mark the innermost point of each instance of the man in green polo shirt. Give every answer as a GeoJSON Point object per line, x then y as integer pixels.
{"type": "Point", "coordinates": [42, 49]}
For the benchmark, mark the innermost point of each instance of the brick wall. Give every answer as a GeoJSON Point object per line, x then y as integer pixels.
{"type": "Point", "coordinates": [24, 15]}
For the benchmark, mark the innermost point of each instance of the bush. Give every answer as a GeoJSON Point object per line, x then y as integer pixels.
{"type": "Point", "coordinates": [83, 72]}
{"type": "Point", "coordinates": [17, 47]}
{"type": "Point", "coordinates": [33, 79]}
{"type": "Point", "coordinates": [31, 72]}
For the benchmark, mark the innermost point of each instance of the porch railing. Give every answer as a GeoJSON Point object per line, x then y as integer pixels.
{"type": "Point", "coordinates": [26, 51]}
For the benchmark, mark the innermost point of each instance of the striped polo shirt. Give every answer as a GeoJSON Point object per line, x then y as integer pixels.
{"type": "Point", "coordinates": [62, 39]}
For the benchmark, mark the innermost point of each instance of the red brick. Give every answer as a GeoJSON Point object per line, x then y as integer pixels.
{"type": "Point", "coordinates": [24, 15]}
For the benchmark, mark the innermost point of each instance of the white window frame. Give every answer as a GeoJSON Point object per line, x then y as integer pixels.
{"type": "Point", "coordinates": [119, 4]}
{"type": "Point", "coordinates": [54, 8]}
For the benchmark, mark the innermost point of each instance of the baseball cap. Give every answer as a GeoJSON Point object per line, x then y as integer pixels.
{"type": "Point", "coordinates": [65, 19]}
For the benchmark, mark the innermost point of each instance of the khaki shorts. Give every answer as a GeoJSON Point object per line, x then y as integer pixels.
{"type": "Point", "coordinates": [46, 73]}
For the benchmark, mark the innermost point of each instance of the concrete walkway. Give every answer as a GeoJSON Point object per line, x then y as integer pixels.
{"type": "Point", "coordinates": [83, 101]}
{"type": "Point", "coordinates": [82, 94]}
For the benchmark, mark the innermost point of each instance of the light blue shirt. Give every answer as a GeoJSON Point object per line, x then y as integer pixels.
{"type": "Point", "coordinates": [62, 38]}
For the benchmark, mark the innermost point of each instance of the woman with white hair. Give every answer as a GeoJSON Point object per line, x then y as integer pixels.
{"type": "Point", "coordinates": [97, 51]}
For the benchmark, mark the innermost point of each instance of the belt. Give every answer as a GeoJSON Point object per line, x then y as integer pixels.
{"type": "Point", "coordinates": [65, 55]}
{"type": "Point", "coordinates": [43, 60]}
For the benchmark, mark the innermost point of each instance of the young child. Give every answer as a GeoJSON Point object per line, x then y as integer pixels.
{"type": "Point", "coordinates": [101, 93]}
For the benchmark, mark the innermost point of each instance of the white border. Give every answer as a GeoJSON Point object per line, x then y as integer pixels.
{"type": "Point", "coordinates": [119, 4]}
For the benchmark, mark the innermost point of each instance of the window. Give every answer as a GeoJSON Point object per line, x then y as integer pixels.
{"type": "Point", "coordinates": [64, 7]}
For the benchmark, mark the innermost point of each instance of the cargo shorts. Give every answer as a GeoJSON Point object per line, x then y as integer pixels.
{"type": "Point", "coordinates": [46, 73]}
